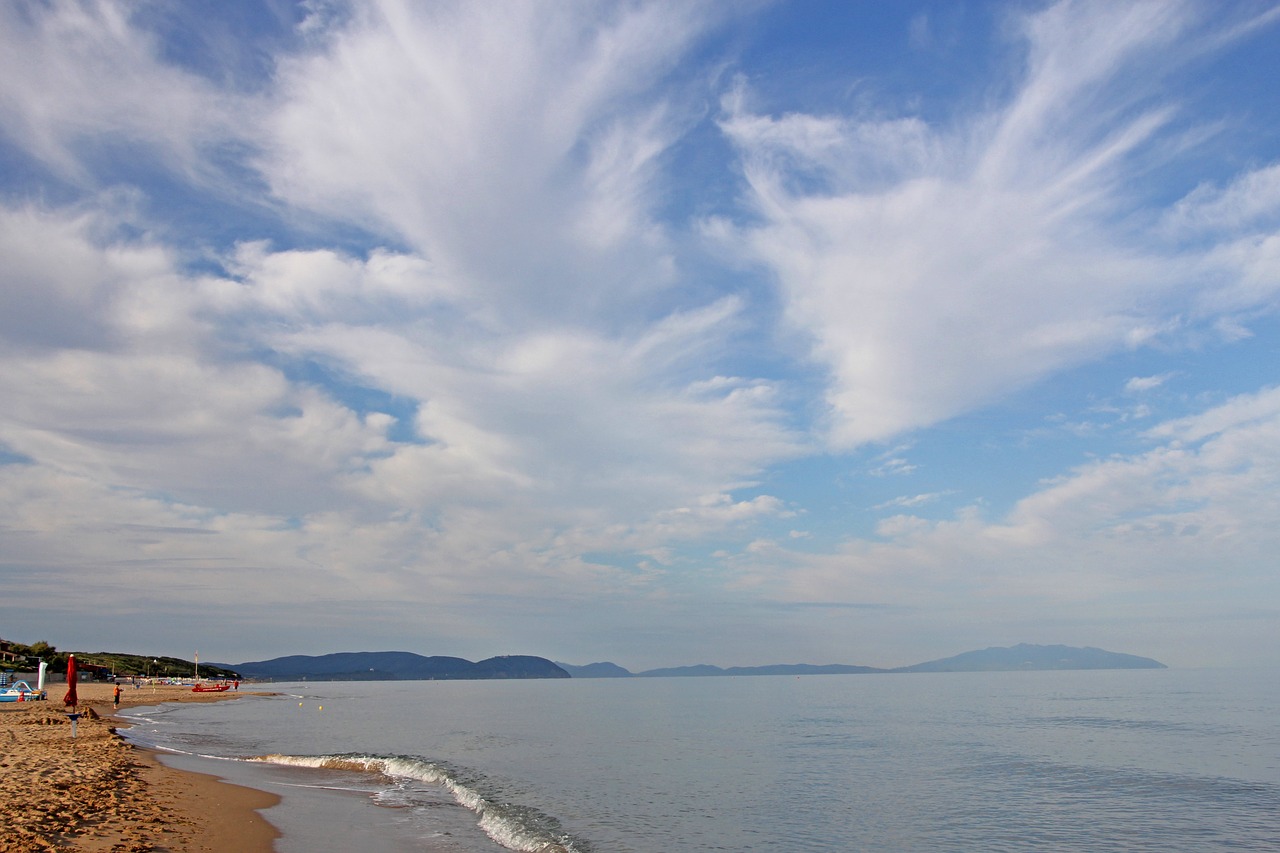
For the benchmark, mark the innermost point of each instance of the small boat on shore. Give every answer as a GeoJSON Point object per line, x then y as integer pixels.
{"type": "Point", "coordinates": [211, 688]}
{"type": "Point", "coordinates": [20, 691]}
{"type": "Point", "coordinates": [208, 687]}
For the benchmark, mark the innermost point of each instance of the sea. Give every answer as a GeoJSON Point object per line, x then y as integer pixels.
{"type": "Point", "coordinates": [1118, 760]}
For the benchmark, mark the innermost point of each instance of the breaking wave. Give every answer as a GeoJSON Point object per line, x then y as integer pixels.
{"type": "Point", "coordinates": [511, 825]}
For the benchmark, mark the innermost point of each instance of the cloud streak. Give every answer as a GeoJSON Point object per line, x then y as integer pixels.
{"type": "Point", "coordinates": [934, 269]}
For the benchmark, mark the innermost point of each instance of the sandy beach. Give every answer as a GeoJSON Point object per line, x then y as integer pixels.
{"type": "Point", "coordinates": [96, 792]}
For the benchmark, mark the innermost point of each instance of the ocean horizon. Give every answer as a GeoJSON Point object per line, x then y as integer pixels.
{"type": "Point", "coordinates": [1118, 760]}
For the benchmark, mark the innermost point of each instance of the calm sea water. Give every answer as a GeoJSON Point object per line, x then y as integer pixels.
{"type": "Point", "coordinates": [1159, 760]}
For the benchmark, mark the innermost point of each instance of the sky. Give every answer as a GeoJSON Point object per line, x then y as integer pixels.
{"type": "Point", "coordinates": [653, 332]}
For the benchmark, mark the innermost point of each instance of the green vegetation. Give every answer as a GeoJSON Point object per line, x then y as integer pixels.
{"type": "Point", "coordinates": [119, 663]}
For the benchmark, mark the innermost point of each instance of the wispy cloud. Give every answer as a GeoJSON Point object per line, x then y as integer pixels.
{"type": "Point", "coordinates": [908, 501]}
{"type": "Point", "coordinates": [892, 463]}
{"type": "Point", "coordinates": [504, 144]}
{"type": "Point", "coordinates": [512, 386]}
{"type": "Point", "coordinates": [935, 268]}
{"type": "Point", "coordinates": [81, 84]}
{"type": "Point", "coordinates": [1140, 384]}
{"type": "Point", "coordinates": [1178, 522]}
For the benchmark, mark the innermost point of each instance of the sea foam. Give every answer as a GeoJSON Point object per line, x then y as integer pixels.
{"type": "Point", "coordinates": [511, 825]}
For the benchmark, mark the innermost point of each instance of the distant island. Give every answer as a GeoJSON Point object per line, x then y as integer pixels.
{"type": "Point", "coordinates": [996, 659]}
{"type": "Point", "coordinates": [1029, 657]}
{"type": "Point", "coordinates": [407, 666]}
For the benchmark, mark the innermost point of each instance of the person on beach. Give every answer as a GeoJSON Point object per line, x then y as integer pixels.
{"type": "Point", "coordinates": [115, 697]}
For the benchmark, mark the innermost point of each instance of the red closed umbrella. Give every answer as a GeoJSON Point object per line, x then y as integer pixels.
{"type": "Point", "coordinates": [71, 698]}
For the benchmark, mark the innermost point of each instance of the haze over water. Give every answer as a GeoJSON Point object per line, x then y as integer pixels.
{"type": "Point", "coordinates": [1091, 760]}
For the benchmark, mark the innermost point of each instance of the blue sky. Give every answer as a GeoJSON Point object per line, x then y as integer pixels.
{"type": "Point", "coordinates": [660, 333]}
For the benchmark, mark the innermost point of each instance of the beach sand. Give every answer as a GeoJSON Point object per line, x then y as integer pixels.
{"type": "Point", "coordinates": [95, 792]}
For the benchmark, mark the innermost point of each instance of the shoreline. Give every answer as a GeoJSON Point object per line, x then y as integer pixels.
{"type": "Point", "coordinates": [99, 793]}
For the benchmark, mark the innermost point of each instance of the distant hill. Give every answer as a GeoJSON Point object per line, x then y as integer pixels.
{"type": "Point", "coordinates": [1020, 657]}
{"type": "Point", "coordinates": [604, 669]}
{"type": "Point", "coordinates": [396, 666]}
{"type": "Point", "coordinates": [1029, 657]}
{"type": "Point", "coordinates": [407, 666]}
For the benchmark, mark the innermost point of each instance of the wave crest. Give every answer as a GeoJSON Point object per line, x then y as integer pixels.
{"type": "Point", "coordinates": [511, 825]}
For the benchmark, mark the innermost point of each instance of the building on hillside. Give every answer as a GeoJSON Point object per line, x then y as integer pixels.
{"type": "Point", "coordinates": [8, 657]}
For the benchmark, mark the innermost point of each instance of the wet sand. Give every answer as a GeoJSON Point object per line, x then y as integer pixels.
{"type": "Point", "coordinates": [95, 792]}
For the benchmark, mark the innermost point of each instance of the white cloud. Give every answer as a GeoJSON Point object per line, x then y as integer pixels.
{"type": "Point", "coordinates": [1140, 384]}
{"type": "Point", "coordinates": [936, 269]}
{"type": "Point", "coordinates": [506, 144]}
{"type": "Point", "coordinates": [534, 447]}
{"type": "Point", "coordinates": [1252, 200]}
{"type": "Point", "coordinates": [79, 79]}
{"type": "Point", "coordinates": [1181, 526]}
{"type": "Point", "coordinates": [1244, 410]}
{"type": "Point", "coordinates": [893, 463]}
{"type": "Point", "coordinates": [906, 501]}
{"type": "Point", "coordinates": [314, 286]}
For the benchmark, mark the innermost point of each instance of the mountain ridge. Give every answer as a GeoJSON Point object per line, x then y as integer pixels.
{"type": "Point", "coordinates": [409, 666]}
{"type": "Point", "coordinates": [1029, 657]}
{"type": "Point", "coordinates": [1022, 657]}
{"type": "Point", "coordinates": [397, 666]}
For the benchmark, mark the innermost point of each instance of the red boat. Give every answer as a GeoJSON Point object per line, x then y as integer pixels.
{"type": "Point", "coordinates": [210, 688]}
